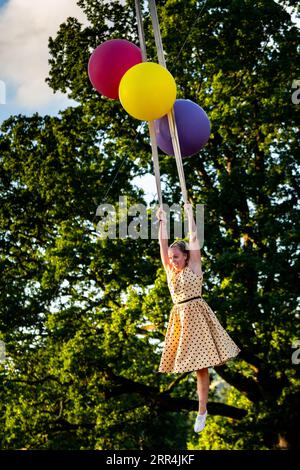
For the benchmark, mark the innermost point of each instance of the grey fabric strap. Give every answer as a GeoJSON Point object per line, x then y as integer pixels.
{"type": "Point", "coordinates": [150, 123]}
{"type": "Point", "coordinates": [171, 116]}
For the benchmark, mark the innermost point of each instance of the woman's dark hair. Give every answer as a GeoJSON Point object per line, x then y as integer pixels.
{"type": "Point", "coordinates": [182, 246]}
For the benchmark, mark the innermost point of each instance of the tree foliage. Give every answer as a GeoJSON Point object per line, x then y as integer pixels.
{"type": "Point", "coordinates": [82, 360]}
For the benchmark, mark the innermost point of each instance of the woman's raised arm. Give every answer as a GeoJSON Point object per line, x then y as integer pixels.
{"type": "Point", "coordinates": [163, 237]}
{"type": "Point", "coordinates": [194, 244]}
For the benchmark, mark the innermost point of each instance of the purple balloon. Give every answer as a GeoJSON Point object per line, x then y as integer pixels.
{"type": "Point", "coordinates": [193, 129]}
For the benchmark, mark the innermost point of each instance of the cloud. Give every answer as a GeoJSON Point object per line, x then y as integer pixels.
{"type": "Point", "coordinates": [25, 27]}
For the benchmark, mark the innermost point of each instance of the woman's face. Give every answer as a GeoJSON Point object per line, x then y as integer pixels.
{"type": "Point", "coordinates": [177, 258]}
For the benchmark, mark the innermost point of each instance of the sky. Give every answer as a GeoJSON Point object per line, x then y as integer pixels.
{"type": "Point", "coordinates": [25, 26]}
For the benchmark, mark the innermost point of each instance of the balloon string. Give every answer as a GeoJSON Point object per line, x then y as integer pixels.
{"type": "Point", "coordinates": [150, 123]}
{"type": "Point", "coordinates": [195, 21]}
{"type": "Point", "coordinates": [171, 114]}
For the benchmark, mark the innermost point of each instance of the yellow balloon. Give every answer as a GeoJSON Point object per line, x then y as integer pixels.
{"type": "Point", "coordinates": [147, 91]}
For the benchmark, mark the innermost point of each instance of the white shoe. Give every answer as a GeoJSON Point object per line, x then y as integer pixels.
{"type": "Point", "coordinates": [200, 422]}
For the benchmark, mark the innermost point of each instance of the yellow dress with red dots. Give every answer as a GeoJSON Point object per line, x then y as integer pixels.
{"type": "Point", "coordinates": [195, 339]}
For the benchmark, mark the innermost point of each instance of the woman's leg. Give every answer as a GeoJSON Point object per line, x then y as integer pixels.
{"type": "Point", "coordinates": [202, 388]}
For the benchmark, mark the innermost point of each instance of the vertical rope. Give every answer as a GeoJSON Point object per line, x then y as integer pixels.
{"type": "Point", "coordinates": [141, 30]}
{"type": "Point", "coordinates": [171, 114]}
{"type": "Point", "coordinates": [150, 123]}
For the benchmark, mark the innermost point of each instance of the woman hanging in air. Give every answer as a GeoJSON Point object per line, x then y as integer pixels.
{"type": "Point", "coordinates": [195, 340]}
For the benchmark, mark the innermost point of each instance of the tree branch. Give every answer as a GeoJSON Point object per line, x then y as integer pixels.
{"type": "Point", "coordinates": [250, 358]}
{"type": "Point", "coordinates": [174, 383]}
{"type": "Point", "coordinates": [203, 173]}
{"type": "Point", "coordinates": [164, 401]}
{"type": "Point", "coordinates": [247, 386]}
{"type": "Point", "coordinates": [213, 408]}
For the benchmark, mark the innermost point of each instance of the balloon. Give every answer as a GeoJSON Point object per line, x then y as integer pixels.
{"type": "Point", "coordinates": [109, 62]}
{"type": "Point", "coordinates": [193, 128]}
{"type": "Point", "coordinates": [147, 91]}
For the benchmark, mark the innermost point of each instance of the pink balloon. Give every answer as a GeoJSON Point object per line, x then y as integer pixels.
{"type": "Point", "coordinates": [109, 62]}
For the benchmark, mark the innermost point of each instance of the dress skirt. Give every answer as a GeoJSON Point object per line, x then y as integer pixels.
{"type": "Point", "coordinates": [195, 339]}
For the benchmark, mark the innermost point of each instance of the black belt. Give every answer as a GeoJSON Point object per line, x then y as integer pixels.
{"type": "Point", "coordinates": [187, 300]}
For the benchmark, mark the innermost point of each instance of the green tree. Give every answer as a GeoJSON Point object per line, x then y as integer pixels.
{"type": "Point", "coordinates": [81, 361]}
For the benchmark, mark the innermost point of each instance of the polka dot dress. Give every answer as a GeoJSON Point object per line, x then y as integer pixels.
{"type": "Point", "coordinates": [195, 338]}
